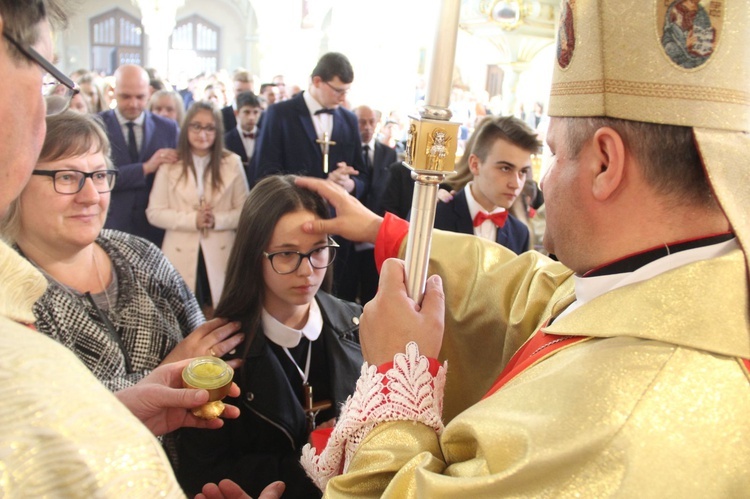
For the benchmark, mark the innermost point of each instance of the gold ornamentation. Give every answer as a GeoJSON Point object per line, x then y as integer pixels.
{"type": "Point", "coordinates": [437, 149]}
{"type": "Point", "coordinates": [648, 89]}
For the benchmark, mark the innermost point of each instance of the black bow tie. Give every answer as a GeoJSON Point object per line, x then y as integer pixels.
{"type": "Point", "coordinates": [324, 110]}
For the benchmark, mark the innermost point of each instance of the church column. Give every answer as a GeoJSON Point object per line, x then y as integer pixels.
{"type": "Point", "coordinates": [158, 18]}
{"type": "Point", "coordinates": [511, 73]}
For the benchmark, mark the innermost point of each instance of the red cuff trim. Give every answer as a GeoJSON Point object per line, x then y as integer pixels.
{"type": "Point", "coordinates": [392, 232]}
{"type": "Point", "coordinates": [319, 439]}
{"type": "Point", "coordinates": [434, 366]}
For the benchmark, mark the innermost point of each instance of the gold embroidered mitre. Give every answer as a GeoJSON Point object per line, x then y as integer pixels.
{"type": "Point", "coordinates": [674, 62]}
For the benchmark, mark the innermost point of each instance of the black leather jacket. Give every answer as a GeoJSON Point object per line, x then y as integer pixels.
{"type": "Point", "coordinates": [264, 443]}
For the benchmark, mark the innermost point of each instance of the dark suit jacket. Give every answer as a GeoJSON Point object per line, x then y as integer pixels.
{"type": "Point", "coordinates": [287, 143]}
{"type": "Point", "coordinates": [455, 216]}
{"type": "Point", "coordinates": [233, 142]}
{"type": "Point", "coordinates": [398, 191]}
{"type": "Point", "coordinates": [127, 208]}
{"type": "Point", "coordinates": [382, 159]}
{"type": "Point", "coordinates": [228, 118]}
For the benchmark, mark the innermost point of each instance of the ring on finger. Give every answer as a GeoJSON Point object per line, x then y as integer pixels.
{"type": "Point", "coordinates": [211, 351]}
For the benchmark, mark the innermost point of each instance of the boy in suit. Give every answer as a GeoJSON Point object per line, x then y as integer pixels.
{"type": "Point", "coordinates": [241, 139]}
{"type": "Point", "coordinates": [292, 130]}
{"type": "Point", "coordinates": [499, 161]}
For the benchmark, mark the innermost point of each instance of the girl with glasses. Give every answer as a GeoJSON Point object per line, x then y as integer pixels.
{"type": "Point", "coordinates": [301, 346]}
{"type": "Point", "coordinates": [197, 200]}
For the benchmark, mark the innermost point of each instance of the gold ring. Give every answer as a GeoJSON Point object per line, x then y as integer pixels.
{"type": "Point", "coordinates": [211, 351]}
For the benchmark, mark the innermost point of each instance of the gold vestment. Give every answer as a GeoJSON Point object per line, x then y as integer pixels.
{"type": "Point", "coordinates": [63, 433]}
{"type": "Point", "coordinates": [656, 404]}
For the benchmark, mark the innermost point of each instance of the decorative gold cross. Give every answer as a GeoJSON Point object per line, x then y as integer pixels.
{"type": "Point", "coordinates": [325, 143]}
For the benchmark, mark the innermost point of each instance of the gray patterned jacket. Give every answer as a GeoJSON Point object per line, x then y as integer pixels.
{"type": "Point", "coordinates": [155, 309]}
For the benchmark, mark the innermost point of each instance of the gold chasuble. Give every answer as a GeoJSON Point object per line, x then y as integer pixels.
{"type": "Point", "coordinates": [63, 433]}
{"type": "Point", "coordinates": [606, 416]}
{"type": "Point", "coordinates": [645, 393]}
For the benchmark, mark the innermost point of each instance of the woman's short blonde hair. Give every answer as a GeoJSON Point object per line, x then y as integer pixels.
{"type": "Point", "coordinates": [69, 134]}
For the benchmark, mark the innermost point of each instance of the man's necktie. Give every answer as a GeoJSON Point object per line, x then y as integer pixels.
{"type": "Point", "coordinates": [497, 218]}
{"type": "Point", "coordinates": [132, 144]}
{"type": "Point", "coordinates": [366, 155]}
{"type": "Point", "coordinates": [324, 110]}
{"type": "Point", "coordinates": [248, 135]}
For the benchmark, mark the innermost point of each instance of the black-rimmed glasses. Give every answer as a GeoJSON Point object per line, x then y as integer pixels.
{"type": "Point", "coordinates": [339, 91]}
{"type": "Point", "coordinates": [71, 181]}
{"type": "Point", "coordinates": [286, 262]}
{"type": "Point", "coordinates": [51, 70]}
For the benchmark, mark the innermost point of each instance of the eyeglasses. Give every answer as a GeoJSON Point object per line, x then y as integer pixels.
{"type": "Point", "coordinates": [51, 72]}
{"type": "Point", "coordinates": [339, 91]}
{"type": "Point", "coordinates": [198, 128]}
{"type": "Point", "coordinates": [71, 181]}
{"type": "Point", "coordinates": [286, 262]}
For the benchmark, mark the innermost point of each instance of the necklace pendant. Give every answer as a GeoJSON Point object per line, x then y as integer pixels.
{"type": "Point", "coordinates": [308, 394]}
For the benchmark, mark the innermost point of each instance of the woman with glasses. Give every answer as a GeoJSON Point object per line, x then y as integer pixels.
{"type": "Point", "coordinates": [197, 200]}
{"type": "Point", "coordinates": [301, 350]}
{"type": "Point", "coordinates": [112, 298]}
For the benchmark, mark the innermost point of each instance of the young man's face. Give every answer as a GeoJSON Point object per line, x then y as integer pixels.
{"type": "Point", "coordinates": [330, 94]}
{"type": "Point", "coordinates": [499, 179]}
{"type": "Point", "coordinates": [248, 117]}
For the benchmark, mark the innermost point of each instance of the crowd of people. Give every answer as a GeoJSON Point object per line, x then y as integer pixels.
{"type": "Point", "coordinates": [144, 226]}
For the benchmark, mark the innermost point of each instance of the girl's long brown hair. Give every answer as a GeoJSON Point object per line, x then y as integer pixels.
{"type": "Point", "coordinates": [244, 290]}
{"type": "Point", "coordinates": [213, 172]}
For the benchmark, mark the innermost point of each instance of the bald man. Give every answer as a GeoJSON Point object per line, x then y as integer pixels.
{"type": "Point", "coordinates": [141, 142]}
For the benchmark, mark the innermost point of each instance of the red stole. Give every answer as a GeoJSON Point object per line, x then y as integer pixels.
{"type": "Point", "coordinates": [539, 347]}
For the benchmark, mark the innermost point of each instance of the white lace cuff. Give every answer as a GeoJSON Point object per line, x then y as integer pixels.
{"type": "Point", "coordinates": [406, 392]}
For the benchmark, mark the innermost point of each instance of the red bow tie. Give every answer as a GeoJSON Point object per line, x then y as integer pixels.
{"type": "Point", "coordinates": [497, 218]}
{"type": "Point", "coordinates": [248, 135]}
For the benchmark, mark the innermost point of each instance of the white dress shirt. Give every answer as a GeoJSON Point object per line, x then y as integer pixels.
{"type": "Point", "coordinates": [137, 129]}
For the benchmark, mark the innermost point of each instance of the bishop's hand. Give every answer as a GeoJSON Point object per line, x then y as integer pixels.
{"type": "Point", "coordinates": [392, 319]}
{"type": "Point", "coordinates": [353, 221]}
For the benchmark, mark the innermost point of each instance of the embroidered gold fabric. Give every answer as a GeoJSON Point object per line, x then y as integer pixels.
{"type": "Point", "coordinates": [654, 406]}
{"type": "Point", "coordinates": [63, 433]}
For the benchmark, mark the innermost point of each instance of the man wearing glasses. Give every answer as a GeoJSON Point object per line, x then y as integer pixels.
{"type": "Point", "coordinates": [141, 143]}
{"type": "Point", "coordinates": [64, 433]}
{"type": "Point", "coordinates": [293, 131]}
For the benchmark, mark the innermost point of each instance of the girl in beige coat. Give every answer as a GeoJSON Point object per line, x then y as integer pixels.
{"type": "Point", "coordinates": [197, 200]}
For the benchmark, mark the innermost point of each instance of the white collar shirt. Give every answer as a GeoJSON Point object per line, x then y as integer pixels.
{"type": "Point", "coordinates": [487, 229]}
{"type": "Point", "coordinates": [137, 129]}
{"type": "Point", "coordinates": [288, 337]}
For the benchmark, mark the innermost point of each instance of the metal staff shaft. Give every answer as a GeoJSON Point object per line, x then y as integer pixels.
{"type": "Point", "coordinates": [418, 243]}
{"type": "Point", "coordinates": [431, 148]}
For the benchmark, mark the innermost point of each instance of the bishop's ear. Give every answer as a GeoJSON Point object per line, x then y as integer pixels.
{"type": "Point", "coordinates": [609, 152]}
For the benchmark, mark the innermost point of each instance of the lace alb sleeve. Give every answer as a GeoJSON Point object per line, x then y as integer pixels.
{"type": "Point", "coordinates": [406, 392]}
